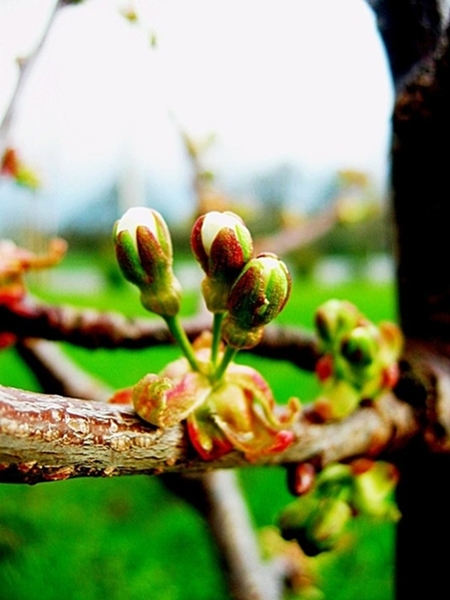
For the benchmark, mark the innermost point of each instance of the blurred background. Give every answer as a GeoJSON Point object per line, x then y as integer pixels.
{"type": "Point", "coordinates": [279, 111]}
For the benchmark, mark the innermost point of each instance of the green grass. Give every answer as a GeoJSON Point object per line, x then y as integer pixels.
{"type": "Point", "coordinates": [128, 538]}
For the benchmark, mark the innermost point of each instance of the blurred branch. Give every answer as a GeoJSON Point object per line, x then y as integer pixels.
{"type": "Point", "coordinates": [25, 65]}
{"type": "Point", "coordinates": [57, 374]}
{"type": "Point", "coordinates": [292, 238]}
{"type": "Point", "coordinates": [231, 528]}
{"type": "Point", "coordinates": [93, 329]}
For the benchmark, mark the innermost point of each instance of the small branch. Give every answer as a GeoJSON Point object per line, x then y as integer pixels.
{"type": "Point", "coordinates": [292, 344]}
{"type": "Point", "coordinates": [230, 523]}
{"type": "Point", "coordinates": [47, 437]}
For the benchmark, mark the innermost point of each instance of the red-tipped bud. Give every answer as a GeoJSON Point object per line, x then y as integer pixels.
{"type": "Point", "coordinates": [222, 245]}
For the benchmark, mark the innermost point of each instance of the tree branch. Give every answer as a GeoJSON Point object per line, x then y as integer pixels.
{"type": "Point", "coordinates": [48, 437]}
{"type": "Point", "coordinates": [92, 329]}
{"type": "Point", "coordinates": [217, 495]}
{"type": "Point", "coordinates": [231, 528]}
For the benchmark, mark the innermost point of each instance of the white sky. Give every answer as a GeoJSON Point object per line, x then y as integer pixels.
{"type": "Point", "coordinates": [277, 81]}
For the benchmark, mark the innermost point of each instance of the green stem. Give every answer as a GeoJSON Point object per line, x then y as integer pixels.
{"type": "Point", "coordinates": [217, 324]}
{"type": "Point", "coordinates": [176, 329]}
{"type": "Point", "coordinates": [228, 356]}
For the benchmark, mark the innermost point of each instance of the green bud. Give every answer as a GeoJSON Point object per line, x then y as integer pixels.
{"type": "Point", "coordinates": [257, 297]}
{"type": "Point", "coordinates": [144, 253]}
{"type": "Point", "coordinates": [329, 522]}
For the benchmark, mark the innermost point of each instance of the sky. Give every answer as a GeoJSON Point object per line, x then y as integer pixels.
{"type": "Point", "coordinates": [277, 82]}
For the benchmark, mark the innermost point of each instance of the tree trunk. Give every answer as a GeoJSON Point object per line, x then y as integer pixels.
{"type": "Point", "coordinates": [421, 195]}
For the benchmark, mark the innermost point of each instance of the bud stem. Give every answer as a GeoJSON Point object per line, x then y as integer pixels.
{"type": "Point", "coordinates": [217, 325]}
{"type": "Point", "coordinates": [228, 356]}
{"type": "Point", "coordinates": [176, 329]}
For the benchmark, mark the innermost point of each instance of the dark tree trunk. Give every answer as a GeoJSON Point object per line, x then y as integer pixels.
{"type": "Point", "coordinates": [419, 61]}
{"type": "Point", "coordinates": [422, 550]}
{"type": "Point", "coordinates": [410, 30]}
{"type": "Point", "coordinates": [421, 185]}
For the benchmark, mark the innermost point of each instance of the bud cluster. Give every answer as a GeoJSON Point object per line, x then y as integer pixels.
{"type": "Point", "coordinates": [359, 360]}
{"type": "Point", "coordinates": [251, 291]}
{"type": "Point", "coordinates": [340, 492]}
{"type": "Point", "coordinates": [225, 406]}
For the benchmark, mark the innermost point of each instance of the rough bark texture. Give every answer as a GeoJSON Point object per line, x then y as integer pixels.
{"type": "Point", "coordinates": [47, 437]}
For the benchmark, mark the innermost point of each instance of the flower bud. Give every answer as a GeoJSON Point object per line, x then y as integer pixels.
{"type": "Point", "coordinates": [163, 402]}
{"type": "Point", "coordinates": [374, 490]}
{"type": "Point", "coordinates": [222, 245]}
{"type": "Point", "coordinates": [334, 318]}
{"type": "Point", "coordinates": [256, 298]}
{"type": "Point", "coordinates": [144, 253]}
{"type": "Point", "coordinates": [329, 522]}
{"type": "Point", "coordinates": [360, 346]}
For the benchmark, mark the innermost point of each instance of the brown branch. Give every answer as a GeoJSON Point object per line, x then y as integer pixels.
{"type": "Point", "coordinates": [47, 437]}
{"type": "Point", "coordinates": [89, 328]}
{"type": "Point", "coordinates": [94, 329]}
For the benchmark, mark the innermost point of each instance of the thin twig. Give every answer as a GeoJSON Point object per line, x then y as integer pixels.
{"type": "Point", "coordinates": [289, 239]}
{"type": "Point", "coordinates": [25, 65]}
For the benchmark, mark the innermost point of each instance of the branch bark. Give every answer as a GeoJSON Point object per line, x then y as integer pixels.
{"type": "Point", "coordinates": [93, 329]}
{"type": "Point", "coordinates": [48, 437]}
